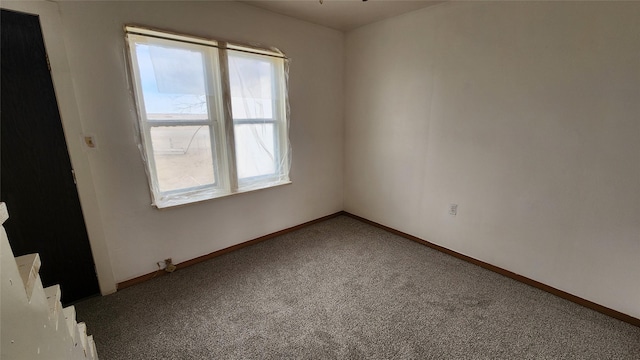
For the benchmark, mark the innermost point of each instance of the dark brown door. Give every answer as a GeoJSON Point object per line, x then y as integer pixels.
{"type": "Point", "coordinates": [37, 182]}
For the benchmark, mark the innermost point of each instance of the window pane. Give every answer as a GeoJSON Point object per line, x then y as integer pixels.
{"type": "Point", "coordinates": [251, 80]}
{"type": "Point", "coordinates": [182, 156]}
{"type": "Point", "coordinates": [255, 150]}
{"type": "Point", "coordinates": [173, 82]}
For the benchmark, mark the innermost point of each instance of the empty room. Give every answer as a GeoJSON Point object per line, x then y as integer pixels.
{"type": "Point", "coordinates": [320, 179]}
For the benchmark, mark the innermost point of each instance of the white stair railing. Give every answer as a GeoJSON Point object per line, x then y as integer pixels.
{"type": "Point", "coordinates": [33, 323]}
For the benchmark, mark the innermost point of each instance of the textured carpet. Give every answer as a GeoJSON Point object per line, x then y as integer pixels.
{"type": "Point", "coordinates": [342, 289]}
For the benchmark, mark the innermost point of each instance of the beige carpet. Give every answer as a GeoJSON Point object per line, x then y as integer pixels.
{"type": "Point", "coordinates": [342, 289]}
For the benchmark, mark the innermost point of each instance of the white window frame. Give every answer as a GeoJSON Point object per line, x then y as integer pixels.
{"type": "Point", "coordinates": [220, 122]}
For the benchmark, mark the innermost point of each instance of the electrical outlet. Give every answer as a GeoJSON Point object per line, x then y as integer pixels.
{"type": "Point", "coordinates": [168, 266]}
{"type": "Point", "coordinates": [453, 209]}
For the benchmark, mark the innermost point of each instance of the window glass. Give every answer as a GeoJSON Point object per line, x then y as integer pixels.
{"type": "Point", "coordinates": [251, 80]}
{"type": "Point", "coordinates": [182, 156]}
{"type": "Point", "coordinates": [255, 150]}
{"type": "Point", "coordinates": [173, 82]}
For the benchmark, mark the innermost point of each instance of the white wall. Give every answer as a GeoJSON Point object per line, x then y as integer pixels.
{"type": "Point", "coordinates": [527, 115]}
{"type": "Point", "coordinates": [137, 235]}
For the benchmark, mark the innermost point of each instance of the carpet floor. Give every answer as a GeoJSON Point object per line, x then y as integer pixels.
{"type": "Point", "coordinates": [342, 289]}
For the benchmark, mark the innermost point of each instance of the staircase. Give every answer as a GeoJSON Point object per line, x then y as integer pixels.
{"type": "Point", "coordinates": [33, 323]}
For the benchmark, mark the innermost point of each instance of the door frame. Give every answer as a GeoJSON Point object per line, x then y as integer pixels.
{"type": "Point", "coordinates": [52, 32]}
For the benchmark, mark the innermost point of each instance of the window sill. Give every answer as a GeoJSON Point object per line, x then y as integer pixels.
{"type": "Point", "coordinates": [187, 198]}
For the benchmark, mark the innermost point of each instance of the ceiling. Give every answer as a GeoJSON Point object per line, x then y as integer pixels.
{"type": "Point", "coordinates": [342, 15]}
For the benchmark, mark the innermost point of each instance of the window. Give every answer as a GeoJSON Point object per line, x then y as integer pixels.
{"type": "Point", "coordinates": [213, 116]}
